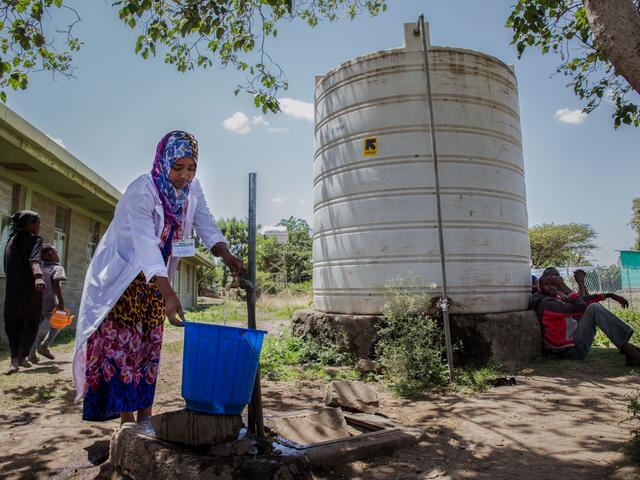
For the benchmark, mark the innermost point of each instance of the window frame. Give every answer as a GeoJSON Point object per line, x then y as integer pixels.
{"type": "Point", "coordinates": [62, 251]}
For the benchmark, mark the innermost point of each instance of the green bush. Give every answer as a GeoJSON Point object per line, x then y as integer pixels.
{"type": "Point", "coordinates": [287, 357]}
{"type": "Point", "coordinates": [411, 346]}
{"type": "Point", "coordinates": [302, 288]}
{"type": "Point", "coordinates": [632, 447]}
{"type": "Point", "coordinates": [632, 317]}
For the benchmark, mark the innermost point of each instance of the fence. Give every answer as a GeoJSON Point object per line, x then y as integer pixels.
{"type": "Point", "coordinates": [612, 279]}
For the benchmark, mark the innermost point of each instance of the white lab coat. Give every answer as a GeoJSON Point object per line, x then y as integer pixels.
{"type": "Point", "coordinates": [131, 245]}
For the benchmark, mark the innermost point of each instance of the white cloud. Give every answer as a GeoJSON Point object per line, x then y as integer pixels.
{"type": "Point", "coordinates": [279, 199]}
{"type": "Point", "coordinates": [277, 130]}
{"type": "Point", "coordinates": [259, 120]}
{"type": "Point", "coordinates": [238, 123]}
{"type": "Point", "coordinates": [566, 115]}
{"type": "Point", "coordinates": [296, 108]}
{"type": "Point", "coordinates": [57, 140]}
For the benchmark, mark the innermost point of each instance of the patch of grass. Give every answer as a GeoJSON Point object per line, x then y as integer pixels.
{"type": "Point", "coordinates": [600, 363]}
{"type": "Point", "coordinates": [475, 380]}
{"type": "Point", "coordinates": [236, 312]}
{"type": "Point", "coordinates": [289, 358]}
{"type": "Point", "coordinates": [282, 307]}
{"type": "Point", "coordinates": [268, 308]}
{"type": "Point", "coordinates": [632, 317]}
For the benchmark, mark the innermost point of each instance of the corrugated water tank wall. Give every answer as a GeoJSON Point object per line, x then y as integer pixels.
{"type": "Point", "coordinates": [374, 200]}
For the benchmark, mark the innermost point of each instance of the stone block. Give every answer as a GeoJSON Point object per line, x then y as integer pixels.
{"type": "Point", "coordinates": [352, 396]}
{"type": "Point", "coordinates": [357, 334]}
{"type": "Point", "coordinates": [193, 428]}
{"type": "Point", "coordinates": [366, 365]}
{"type": "Point", "coordinates": [503, 338]}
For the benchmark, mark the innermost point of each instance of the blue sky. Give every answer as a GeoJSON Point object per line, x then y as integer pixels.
{"type": "Point", "coordinates": [114, 113]}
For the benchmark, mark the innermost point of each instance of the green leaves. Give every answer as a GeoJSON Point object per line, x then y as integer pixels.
{"type": "Point", "coordinates": [198, 33]}
{"type": "Point", "coordinates": [561, 27]}
{"type": "Point", "coordinates": [189, 34]}
{"type": "Point", "coordinates": [555, 245]}
{"type": "Point", "coordinates": [27, 46]}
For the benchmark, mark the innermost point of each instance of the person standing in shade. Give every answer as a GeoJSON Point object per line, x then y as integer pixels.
{"type": "Point", "coordinates": [127, 291]}
{"type": "Point", "coordinates": [53, 276]}
{"type": "Point", "coordinates": [24, 286]}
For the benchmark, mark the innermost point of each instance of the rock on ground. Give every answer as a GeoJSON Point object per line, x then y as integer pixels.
{"type": "Point", "coordinates": [352, 396]}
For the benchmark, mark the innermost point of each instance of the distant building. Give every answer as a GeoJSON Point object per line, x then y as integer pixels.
{"type": "Point", "coordinates": [76, 205]}
{"type": "Point", "coordinates": [280, 233]}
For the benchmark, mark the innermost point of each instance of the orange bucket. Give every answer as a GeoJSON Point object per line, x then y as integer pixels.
{"type": "Point", "coordinates": [61, 318]}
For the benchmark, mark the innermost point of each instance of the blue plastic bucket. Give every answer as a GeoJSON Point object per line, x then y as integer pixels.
{"type": "Point", "coordinates": [219, 367]}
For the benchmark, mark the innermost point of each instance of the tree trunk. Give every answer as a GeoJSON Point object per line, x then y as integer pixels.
{"type": "Point", "coordinates": [616, 28]}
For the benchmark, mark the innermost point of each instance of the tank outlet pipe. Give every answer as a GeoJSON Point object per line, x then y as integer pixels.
{"type": "Point", "coordinates": [255, 418]}
{"type": "Point", "coordinates": [444, 299]}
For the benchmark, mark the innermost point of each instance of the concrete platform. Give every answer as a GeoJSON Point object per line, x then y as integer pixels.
{"type": "Point", "coordinates": [137, 457]}
{"type": "Point", "coordinates": [504, 338]}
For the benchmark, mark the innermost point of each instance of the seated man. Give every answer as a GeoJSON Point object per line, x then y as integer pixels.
{"type": "Point", "coordinates": [569, 323]}
{"type": "Point", "coordinates": [579, 276]}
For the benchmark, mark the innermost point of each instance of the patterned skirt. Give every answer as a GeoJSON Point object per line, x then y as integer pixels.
{"type": "Point", "coordinates": [123, 354]}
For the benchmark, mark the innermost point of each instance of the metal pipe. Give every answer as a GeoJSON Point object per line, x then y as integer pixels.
{"type": "Point", "coordinates": [251, 267]}
{"type": "Point", "coordinates": [444, 300]}
{"type": "Point", "coordinates": [255, 417]}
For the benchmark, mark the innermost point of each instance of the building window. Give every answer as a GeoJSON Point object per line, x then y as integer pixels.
{"type": "Point", "coordinates": [94, 238]}
{"type": "Point", "coordinates": [188, 279]}
{"type": "Point", "coordinates": [8, 205]}
{"type": "Point", "coordinates": [61, 232]}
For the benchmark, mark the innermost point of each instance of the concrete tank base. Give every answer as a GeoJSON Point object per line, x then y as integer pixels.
{"type": "Point", "coordinates": [355, 333]}
{"type": "Point", "coordinates": [501, 338]}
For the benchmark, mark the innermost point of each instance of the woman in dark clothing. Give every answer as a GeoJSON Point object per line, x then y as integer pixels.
{"type": "Point", "coordinates": [24, 286]}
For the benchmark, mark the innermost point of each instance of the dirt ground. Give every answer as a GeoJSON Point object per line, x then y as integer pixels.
{"type": "Point", "coordinates": [562, 420]}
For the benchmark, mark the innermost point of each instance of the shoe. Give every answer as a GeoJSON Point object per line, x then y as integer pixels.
{"type": "Point", "coordinates": [45, 352]}
{"type": "Point", "coordinates": [145, 428]}
{"type": "Point", "coordinates": [33, 358]}
{"type": "Point", "coordinates": [13, 367]}
{"type": "Point", "coordinates": [24, 363]}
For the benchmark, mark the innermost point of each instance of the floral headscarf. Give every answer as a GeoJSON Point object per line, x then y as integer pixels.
{"type": "Point", "coordinates": [173, 146]}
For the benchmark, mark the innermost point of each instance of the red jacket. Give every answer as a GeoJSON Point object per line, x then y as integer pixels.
{"type": "Point", "coordinates": [559, 317]}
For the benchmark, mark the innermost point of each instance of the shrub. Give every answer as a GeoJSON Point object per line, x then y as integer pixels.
{"type": "Point", "coordinates": [287, 357]}
{"type": "Point", "coordinates": [411, 345]}
{"type": "Point", "coordinates": [632, 447]}
{"type": "Point", "coordinates": [632, 317]}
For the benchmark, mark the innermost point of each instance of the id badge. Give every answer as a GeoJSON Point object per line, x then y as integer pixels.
{"type": "Point", "coordinates": [183, 248]}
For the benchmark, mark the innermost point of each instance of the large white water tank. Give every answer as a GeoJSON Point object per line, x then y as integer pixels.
{"type": "Point", "coordinates": [374, 202]}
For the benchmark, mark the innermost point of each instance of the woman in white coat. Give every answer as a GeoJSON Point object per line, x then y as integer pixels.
{"type": "Point", "coordinates": [127, 291]}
